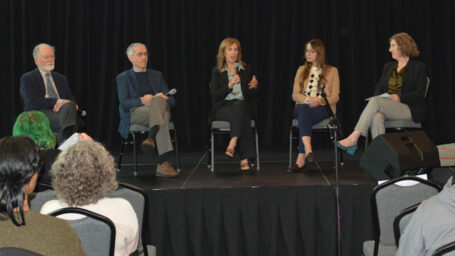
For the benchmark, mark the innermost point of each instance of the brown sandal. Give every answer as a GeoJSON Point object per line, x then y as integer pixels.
{"type": "Point", "coordinates": [229, 153]}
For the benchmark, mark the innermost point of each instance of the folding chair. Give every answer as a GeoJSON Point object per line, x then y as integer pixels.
{"type": "Point", "coordinates": [387, 200]}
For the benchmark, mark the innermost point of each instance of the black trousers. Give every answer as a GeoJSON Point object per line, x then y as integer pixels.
{"type": "Point", "coordinates": [64, 122]}
{"type": "Point", "coordinates": [237, 112]}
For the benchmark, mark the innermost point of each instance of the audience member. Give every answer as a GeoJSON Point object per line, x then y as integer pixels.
{"type": "Point", "coordinates": [19, 225]}
{"type": "Point", "coordinates": [82, 176]}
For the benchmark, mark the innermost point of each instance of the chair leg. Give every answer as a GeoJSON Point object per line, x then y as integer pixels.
{"type": "Point", "coordinates": [290, 148]}
{"type": "Point", "coordinates": [212, 152]}
{"type": "Point", "coordinates": [258, 165]}
{"type": "Point", "coordinates": [177, 150]}
{"type": "Point", "coordinates": [134, 154]}
{"type": "Point", "coordinates": [120, 156]}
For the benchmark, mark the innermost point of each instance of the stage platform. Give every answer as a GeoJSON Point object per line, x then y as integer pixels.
{"type": "Point", "coordinates": [266, 213]}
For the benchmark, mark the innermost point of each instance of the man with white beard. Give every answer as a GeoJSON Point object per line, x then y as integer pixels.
{"type": "Point", "coordinates": [47, 91]}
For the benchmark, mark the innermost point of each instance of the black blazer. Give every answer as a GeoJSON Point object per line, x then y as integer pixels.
{"type": "Point", "coordinates": [33, 90]}
{"type": "Point", "coordinates": [412, 89]}
{"type": "Point", "coordinates": [219, 88]}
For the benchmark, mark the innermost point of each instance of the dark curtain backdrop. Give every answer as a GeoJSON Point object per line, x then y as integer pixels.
{"type": "Point", "coordinates": [183, 37]}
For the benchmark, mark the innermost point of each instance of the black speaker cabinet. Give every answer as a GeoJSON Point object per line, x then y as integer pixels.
{"type": "Point", "coordinates": [390, 155]}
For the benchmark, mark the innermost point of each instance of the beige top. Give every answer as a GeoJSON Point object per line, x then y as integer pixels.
{"type": "Point", "coordinates": [332, 87]}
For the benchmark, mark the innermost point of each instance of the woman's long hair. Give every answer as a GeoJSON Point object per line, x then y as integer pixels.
{"type": "Point", "coordinates": [321, 62]}
{"type": "Point", "coordinates": [19, 160]}
{"type": "Point", "coordinates": [221, 58]}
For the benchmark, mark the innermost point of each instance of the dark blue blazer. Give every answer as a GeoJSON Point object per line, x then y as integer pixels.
{"type": "Point", "coordinates": [129, 97]}
{"type": "Point", "coordinates": [32, 90]}
{"type": "Point", "coordinates": [413, 87]}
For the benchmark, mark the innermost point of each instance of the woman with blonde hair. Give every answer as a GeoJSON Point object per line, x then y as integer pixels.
{"type": "Point", "coordinates": [82, 176]}
{"type": "Point", "coordinates": [310, 107]}
{"type": "Point", "coordinates": [233, 88]}
{"type": "Point", "coordinates": [404, 81]}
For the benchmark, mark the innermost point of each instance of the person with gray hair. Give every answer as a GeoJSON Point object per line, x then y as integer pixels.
{"type": "Point", "coordinates": [48, 91]}
{"type": "Point", "coordinates": [82, 176]}
{"type": "Point", "coordinates": [142, 93]}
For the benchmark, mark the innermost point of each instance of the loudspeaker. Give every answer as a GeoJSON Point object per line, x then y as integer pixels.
{"type": "Point", "coordinates": [390, 155]}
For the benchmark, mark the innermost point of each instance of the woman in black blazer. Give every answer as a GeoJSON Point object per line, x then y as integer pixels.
{"type": "Point", "coordinates": [233, 88]}
{"type": "Point", "coordinates": [404, 81]}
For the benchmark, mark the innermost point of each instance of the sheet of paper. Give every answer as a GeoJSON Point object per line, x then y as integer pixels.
{"type": "Point", "coordinates": [384, 95]}
{"type": "Point", "coordinates": [73, 139]}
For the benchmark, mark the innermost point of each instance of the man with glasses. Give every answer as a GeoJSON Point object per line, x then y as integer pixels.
{"type": "Point", "coordinates": [47, 91]}
{"type": "Point", "coordinates": [143, 100]}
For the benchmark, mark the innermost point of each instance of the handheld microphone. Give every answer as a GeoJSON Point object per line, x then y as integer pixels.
{"type": "Point", "coordinates": [236, 67]}
{"type": "Point", "coordinates": [171, 92]}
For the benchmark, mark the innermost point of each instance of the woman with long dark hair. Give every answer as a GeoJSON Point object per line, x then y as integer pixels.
{"type": "Point", "coordinates": [20, 226]}
{"type": "Point", "coordinates": [310, 108]}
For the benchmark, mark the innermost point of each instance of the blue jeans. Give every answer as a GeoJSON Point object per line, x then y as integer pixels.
{"type": "Point", "coordinates": [308, 117]}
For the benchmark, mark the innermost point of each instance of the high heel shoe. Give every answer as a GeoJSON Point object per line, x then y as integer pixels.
{"type": "Point", "coordinates": [350, 150]}
{"type": "Point", "coordinates": [309, 158]}
{"type": "Point", "coordinates": [295, 168]}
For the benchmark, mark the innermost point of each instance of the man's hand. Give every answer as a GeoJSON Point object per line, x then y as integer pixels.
{"type": "Point", "coordinates": [160, 94]}
{"type": "Point", "coordinates": [146, 99]}
{"type": "Point", "coordinates": [57, 106]}
{"type": "Point", "coordinates": [395, 97]}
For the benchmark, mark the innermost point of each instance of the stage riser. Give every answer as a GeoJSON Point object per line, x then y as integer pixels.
{"type": "Point", "coordinates": [258, 221]}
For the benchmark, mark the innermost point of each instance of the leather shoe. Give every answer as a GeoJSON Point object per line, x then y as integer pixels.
{"type": "Point", "coordinates": [166, 170]}
{"type": "Point", "coordinates": [309, 158]}
{"type": "Point", "coordinates": [350, 150]}
{"type": "Point", "coordinates": [148, 147]}
{"type": "Point", "coordinates": [295, 168]}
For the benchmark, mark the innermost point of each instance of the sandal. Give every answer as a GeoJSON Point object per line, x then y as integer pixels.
{"type": "Point", "coordinates": [245, 167]}
{"type": "Point", "coordinates": [229, 153]}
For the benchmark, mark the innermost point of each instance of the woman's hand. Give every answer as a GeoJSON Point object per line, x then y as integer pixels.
{"type": "Point", "coordinates": [315, 101]}
{"type": "Point", "coordinates": [395, 97]}
{"type": "Point", "coordinates": [253, 84]}
{"type": "Point", "coordinates": [235, 80]}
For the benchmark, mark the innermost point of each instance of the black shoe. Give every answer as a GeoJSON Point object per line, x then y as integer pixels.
{"type": "Point", "coordinates": [295, 168]}
{"type": "Point", "coordinates": [309, 158]}
{"type": "Point", "coordinates": [148, 147]}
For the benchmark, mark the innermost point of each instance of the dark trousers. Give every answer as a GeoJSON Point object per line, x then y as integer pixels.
{"type": "Point", "coordinates": [237, 112]}
{"type": "Point", "coordinates": [308, 117]}
{"type": "Point", "coordinates": [64, 122]}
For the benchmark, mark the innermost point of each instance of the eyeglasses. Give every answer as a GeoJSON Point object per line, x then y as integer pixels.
{"type": "Point", "coordinates": [310, 51]}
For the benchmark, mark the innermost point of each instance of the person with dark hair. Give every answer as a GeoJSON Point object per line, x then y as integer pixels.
{"type": "Point", "coordinates": [233, 88]}
{"type": "Point", "coordinates": [404, 81]}
{"type": "Point", "coordinates": [82, 176]}
{"type": "Point", "coordinates": [20, 226]}
{"type": "Point", "coordinates": [309, 105]}
{"type": "Point", "coordinates": [142, 93]}
{"type": "Point", "coordinates": [48, 91]}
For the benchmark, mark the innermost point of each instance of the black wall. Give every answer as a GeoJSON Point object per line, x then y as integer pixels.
{"type": "Point", "coordinates": [182, 37]}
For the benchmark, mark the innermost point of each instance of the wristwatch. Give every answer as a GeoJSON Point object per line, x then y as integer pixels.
{"type": "Point", "coordinates": [59, 101]}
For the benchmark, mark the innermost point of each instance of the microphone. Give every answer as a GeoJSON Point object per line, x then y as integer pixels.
{"type": "Point", "coordinates": [236, 67]}
{"type": "Point", "coordinates": [171, 92]}
{"type": "Point", "coordinates": [321, 86]}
